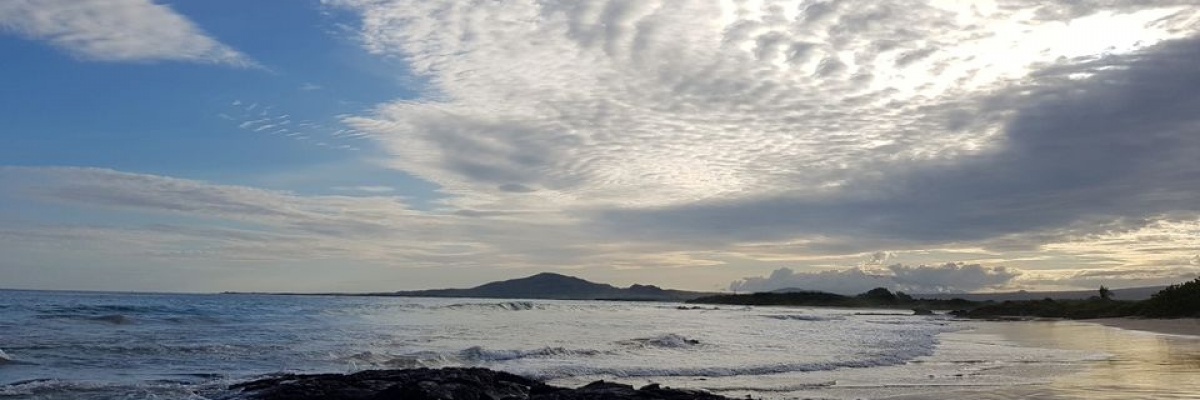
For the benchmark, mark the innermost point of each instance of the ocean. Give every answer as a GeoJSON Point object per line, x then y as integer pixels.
{"type": "Point", "coordinates": [73, 345]}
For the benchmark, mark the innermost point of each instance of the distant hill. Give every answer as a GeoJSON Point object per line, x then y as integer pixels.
{"type": "Point", "coordinates": [557, 287]}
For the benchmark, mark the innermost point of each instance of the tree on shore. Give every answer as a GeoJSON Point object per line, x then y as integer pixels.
{"type": "Point", "coordinates": [1176, 301]}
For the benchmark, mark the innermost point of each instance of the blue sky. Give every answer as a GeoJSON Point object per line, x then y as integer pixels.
{"type": "Point", "coordinates": [182, 119]}
{"type": "Point", "coordinates": [378, 145]}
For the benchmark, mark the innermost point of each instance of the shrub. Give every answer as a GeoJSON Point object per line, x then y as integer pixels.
{"type": "Point", "coordinates": [1176, 301]}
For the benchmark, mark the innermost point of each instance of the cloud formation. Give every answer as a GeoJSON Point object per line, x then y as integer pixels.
{"type": "Point", "coordinates": [946, 278]}
{"type": "Point", "coordinates": [848, 127]}
{"type": "Point", "coordinates": [1059, 139]}
{"type": "Point", "coordinates": [116, 30]}
{"type": "Point", "coordinates": [649, 104]}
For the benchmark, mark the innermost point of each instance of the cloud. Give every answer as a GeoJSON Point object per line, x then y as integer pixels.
{"type": "Point", "coordinates": [640, 133]}
{"type": "Point", "coordinates": [268, 121]}
{"type": "Point", "coordinates": [653, 104]}
{"type": "Point", "coordinates": [366, 189]}
{"type": "Point", "coordinates": [1111, 153]}
{"type": "Point", "coordinates": [947, 278]}
{"type": "Point", "coordinates": [1092, 278]}
{"type": "Point", "coordinates": [879, 257]}
{"type": "Point", "coordinates": [165, 217]}
{"type": "Point", "coordinates": [845, 126]}
{"type": "Point", "coordinates": [116, 30]}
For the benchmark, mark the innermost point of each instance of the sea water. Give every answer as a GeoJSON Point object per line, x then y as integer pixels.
{"type": "Point", "coordinates": [70, 345]}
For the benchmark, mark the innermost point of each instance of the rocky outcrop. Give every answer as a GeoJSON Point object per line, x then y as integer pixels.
{"type": "Point", "coordinates": [447, 384]}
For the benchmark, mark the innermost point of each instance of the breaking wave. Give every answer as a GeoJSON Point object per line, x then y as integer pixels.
{"type": "Point", "coordinates": [57, 388]}
{"type": "Point", "coordinates": [504, 306]}
{"type": "Point", "coordinates": [877, 360]}
{"type": "Point", "coordinates": [805, 317]}
{"type": "Point", "coordinates": [470, 356]}
{"type": "Point", "coordinates": [478, 353]}
{"type": "Point", "coordinates": [4, 357]}
{"type": "Point", "coordinates": [670, 340]}
{"type": "Point", "coordinates": [424, 359]}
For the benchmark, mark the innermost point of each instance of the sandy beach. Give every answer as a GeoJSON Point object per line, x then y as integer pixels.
{"type": "Point", "coordinates": [1128, 362]}
{"type": "Point", "coordinates": [1182, 326]}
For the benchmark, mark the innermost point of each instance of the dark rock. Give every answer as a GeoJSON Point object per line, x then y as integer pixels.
{"type": "Point", "coordinates": [447, 384]}
{"type": "Point", "coordinates": [922, 311]}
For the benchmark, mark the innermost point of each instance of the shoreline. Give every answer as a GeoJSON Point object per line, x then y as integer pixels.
{"type": "Point", "coordinates": [1116, 359]}
{"type": "Point", "coordinates": [1181, 326]}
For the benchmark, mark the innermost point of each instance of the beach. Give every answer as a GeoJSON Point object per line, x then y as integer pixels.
{"type": "Point", "coordinates": [1181, 326]}
{"type": "Point", "coordinates": [77, 345]}
{"type": "Point", "coordinates": [1130, 359]}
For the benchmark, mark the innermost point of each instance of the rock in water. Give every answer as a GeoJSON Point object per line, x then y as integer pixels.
{"type": "Point", "coordinates": [447, 384]}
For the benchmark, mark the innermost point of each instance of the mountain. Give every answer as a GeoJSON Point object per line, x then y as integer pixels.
{"type": "Point", "coordinates": [558, 287]}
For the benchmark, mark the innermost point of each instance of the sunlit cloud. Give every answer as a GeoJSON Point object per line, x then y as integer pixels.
{"type": "Point", "coordinates": [997, 144]}
{"type": "Point", "coordinates": [117, 30]}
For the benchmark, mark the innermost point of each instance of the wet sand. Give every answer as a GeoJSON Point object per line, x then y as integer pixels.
{"type": "Point", "coordinates": [1183, 326]}
{"type": "Point", "coordinates": [1129, 364]}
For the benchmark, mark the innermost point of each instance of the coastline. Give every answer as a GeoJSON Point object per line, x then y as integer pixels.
{"type": "Point", "coordinates": [1181, 326]}
{"type": "Point", "coordinates": [1123, 363]}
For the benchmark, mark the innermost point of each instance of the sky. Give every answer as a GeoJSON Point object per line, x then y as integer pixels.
{"type": "Point", "coordinates": [745, 145]}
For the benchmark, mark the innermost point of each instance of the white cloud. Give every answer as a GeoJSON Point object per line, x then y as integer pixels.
{"type": "Point", "coordinates": [643, 134]}
{"type": "Point", "coordinates": [116, 30]}
{"type": "Point", "coordinates": [646, 103]}
{"type": "Point", "coordinates": [168, 220]}
{"type": "Point", "coordinates": [794, 129]}
{"type": "Point", "coordinates": [238, 223]}
{"type": "Point", "coordinates": [947, 278]}
{"type": "Point", "coordinates": [366, 189]}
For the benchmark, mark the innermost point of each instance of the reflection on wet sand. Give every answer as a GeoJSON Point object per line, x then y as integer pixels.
{"type": "Point", "coordinates": [1140, 365]}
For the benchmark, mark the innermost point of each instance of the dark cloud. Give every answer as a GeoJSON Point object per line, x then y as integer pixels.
{"type": "Point", "coordinates": [1111, 152]}
{"type": "Point", "coordinates": [947, 278]}
{"type": "Point", "coordinates": [516, 188]}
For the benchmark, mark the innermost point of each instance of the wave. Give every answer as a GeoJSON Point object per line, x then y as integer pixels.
{"type": "Point", "coordinates": [425, 359]}
{"type": "Point", "coordinates": [805, 317]}
{"type": "Point", "coordinates": [115, 319]}
{"type": "Point", "coordinates": [781, 389]}
{"type": "Point", "coordinates": [670, 340]}
{"type": "Point", "coordinates": [478, 353]}
{"type": "Point", "coordinates": [125, 319]}
{"type": "Point", "coordinates": [505, 306]}
{"type": "Point", "coordinates": [104, 309]}
{"type": "Point", "coordinates": [59, 388]}
{"type": "Point", "coordinates": [152, 349]}
{"type": "Point", "coordinates": [5, 358]}
{"type": "Point", "coordinates": [469, 356]}
{"type": "Point", "coordinates": [916, 322]}
{"type": "Point", "coordinates": [877, 360]}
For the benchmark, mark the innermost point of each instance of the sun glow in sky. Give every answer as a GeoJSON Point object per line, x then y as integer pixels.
{"type": "Point", "coordinates": [382, 145]}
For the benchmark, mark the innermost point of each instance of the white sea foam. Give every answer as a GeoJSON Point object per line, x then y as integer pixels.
{"type": "Point", "coordinates": [371, 360]}
{"type": "Point", "coordinates": [4, 357]}
{"type": "Point", "coordinates": [506, 306]}
{"type": "Point", "coordinates": [478, 353]}
{"type": "Point", "coordinates": [670, 340]}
